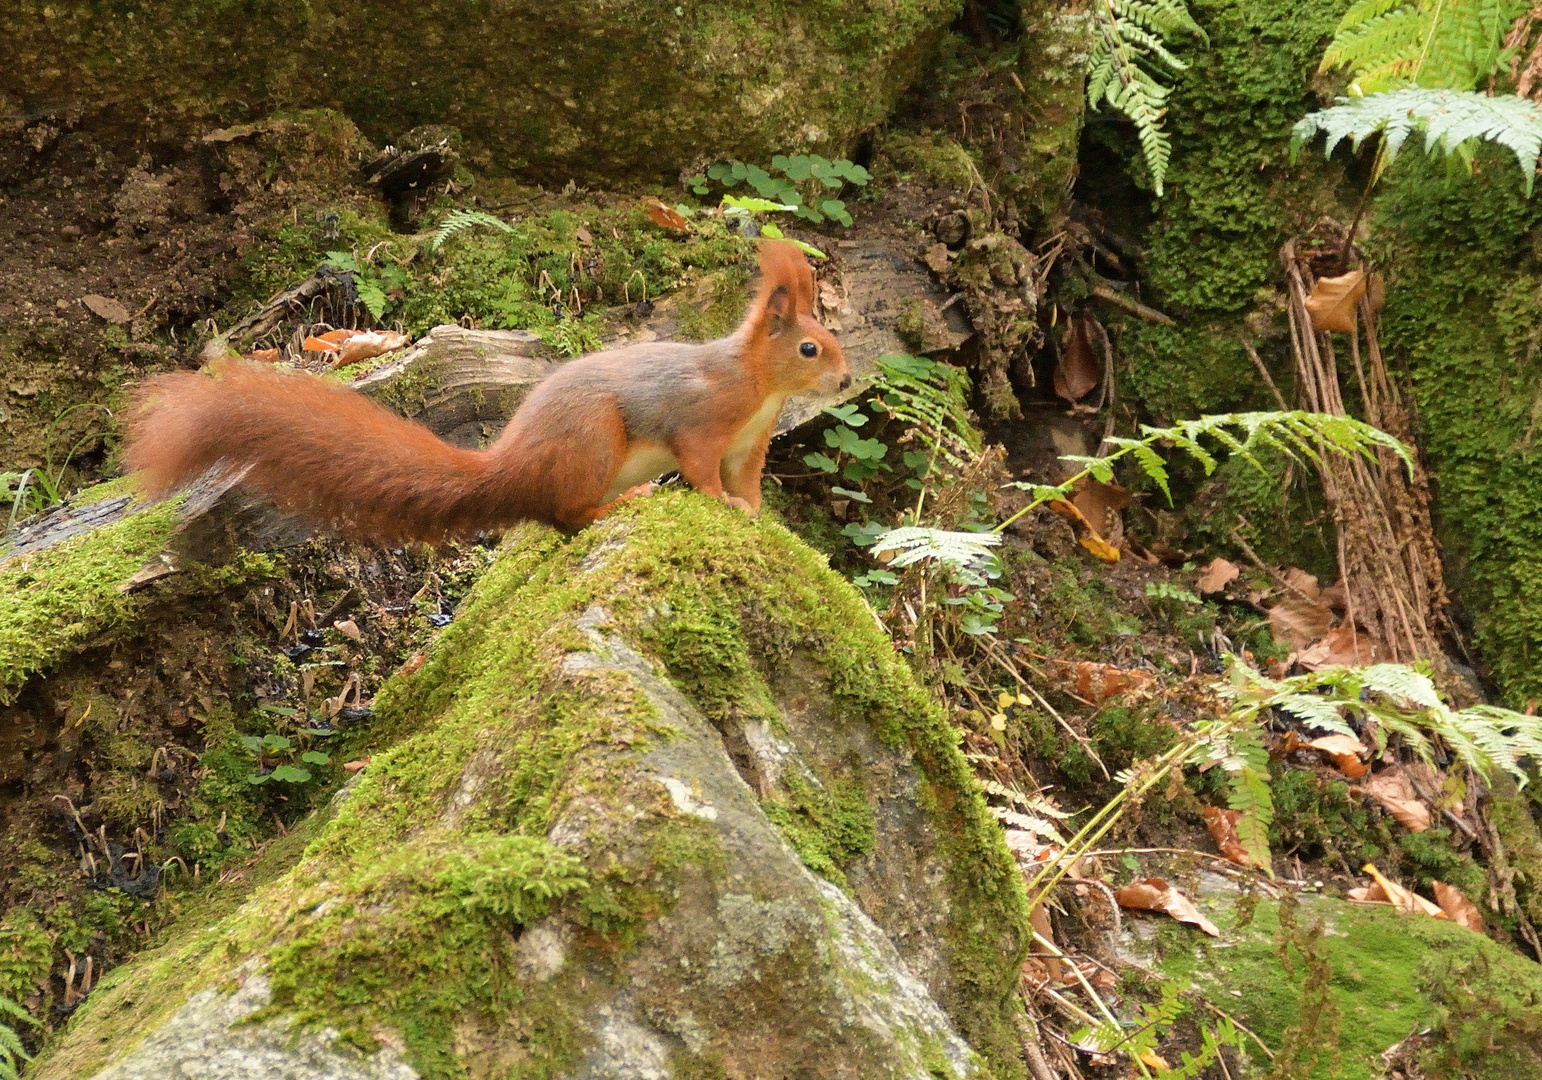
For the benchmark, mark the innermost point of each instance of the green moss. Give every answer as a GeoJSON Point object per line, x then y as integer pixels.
{"type": "Point", "coordinates": [55, 600]}
{"type": "Point", "coordinates": [1231, 200]}
{"type": "Point", "coordinates": [1386, 974]}
{"type": "Point", "coordinates": [1463, 275]}
{"type": "Point", "coordinates": [826, 827]}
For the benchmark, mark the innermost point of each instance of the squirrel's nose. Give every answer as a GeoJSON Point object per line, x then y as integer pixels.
{"type": "Point", "coordinates": [846, 381]}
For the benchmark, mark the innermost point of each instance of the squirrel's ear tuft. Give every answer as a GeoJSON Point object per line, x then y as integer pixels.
{"type": "Point", "coordinates": [779, 309]}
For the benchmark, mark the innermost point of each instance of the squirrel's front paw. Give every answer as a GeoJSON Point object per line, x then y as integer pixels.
{"type": "Point", "coordinates": [739, 504]}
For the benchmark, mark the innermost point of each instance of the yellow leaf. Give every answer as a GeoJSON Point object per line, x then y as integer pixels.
{"type": "Point", "coordinates": [999, 721]}
{"type": "Point", "coordinates": [1024, 699]}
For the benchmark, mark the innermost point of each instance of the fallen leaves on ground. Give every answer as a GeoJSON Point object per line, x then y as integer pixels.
{"type": "Point", "coordinates": [1396, 794]}
{"type": "Point", "coordinates": [1385, 891]}
{"type": "Point", "coordinates": [1345, 751]}
{"type": "Point", "coordinates": [1450, 902]}
{"type": "Point", "coordinates": [1100, 504]}
{"type": "Point", "coordinates": [1098, 682]}
{"type": "Point", "coordinates": [1343, 646]}
{"type": "Point", "coordinates": [1217, 576]}
{"type": "Point", "coordinates": [351, 346]}
{"type": "Point", "coordinates": [355, 766]}
{"type": "Point", "coordinates": [1333, 300]}
{"type": "Point", "coordinates": [1155, 894]}
{"type": "Point", "coordinates": [1222, 825]}
{"type": "Point", "coordinates": [1303, 582]}
{"type": "Point", "coordinates": [1457, 907]}
{"type": "Point", "coordinates": [106, 307]}
{"type": "Point", "coordinates": [264, 356]}
{"type": "Point", "coordinates": [1299, 621]}
{"type": "Point", "coordinates": [1087, 536]}
{"type": "Point", "coordinates": [664, 214]}
{"type": "Point", "coordinates": [1078, 372]}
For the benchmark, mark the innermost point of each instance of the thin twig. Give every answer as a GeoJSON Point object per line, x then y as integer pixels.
{"type": "Point", "coordinates": [1011, 669]}
{"type": "Point", "coordinates": [1264, 371]}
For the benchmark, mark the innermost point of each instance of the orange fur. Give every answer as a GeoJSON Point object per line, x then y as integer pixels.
{"type": "Point", "coordinates": [332, 456]}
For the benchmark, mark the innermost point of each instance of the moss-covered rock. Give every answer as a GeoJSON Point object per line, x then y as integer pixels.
{"type": "Point", "coordinates": [643, 88]}
{"type": "Point", "coordinates": [662, 794]}
{"type": "Point", "coordinates": [1330, 985]}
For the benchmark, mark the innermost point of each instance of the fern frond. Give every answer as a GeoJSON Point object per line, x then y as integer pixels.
{"type": "Point", "coordinates": [1398, 700]}
{"type": "Point", "coordinates": [1392, 44]}
{"type": "Point", "coordinates": [457, 221]}
{"type": "Point", "coordinates": [1247, 770]}
{"type": "Point", "coordinates": [1448, 118]}
{"type": "Point", "coordinates": [1130, 38]}
{"type": "Point", "coordinates": [911, 544]}
{"type": "Point", "coordinates": [1027, 822]}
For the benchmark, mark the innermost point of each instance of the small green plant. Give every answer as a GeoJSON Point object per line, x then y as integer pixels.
{"type": "Point", "coordinates": [276, 757]}
{"type": "Point", "coordinates": [12, 1053]}
{"type": "Point", "coordinates": [1151, 1025]}
{"type": "Point", "coordinates": [804, 183]}
{"type": "Point", "coordinates": [1166, 590]}
{"type": "Point", "coordinates": [370, 281]}
{"type": "Point", "coordinates": [737, 208]}
{"type": "Point", "coordinates": [459, 221]}
{"type": "Point", "coordinates": [573, 336]}
{"type": "Point", "coordinates": [34, 490]}
{"type": "Point", "coordinates": [1129, 48]}
{"type": "Point", "coordinates": [856, 458]}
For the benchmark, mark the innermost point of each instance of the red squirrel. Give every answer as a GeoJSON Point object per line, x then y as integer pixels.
{"type": "Point", "coordinates": [592, 433]}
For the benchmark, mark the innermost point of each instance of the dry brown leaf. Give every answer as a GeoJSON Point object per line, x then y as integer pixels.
{"type": "Point", "coordinates": [1217, 576]}
{"type": "Point", "coordinates": [1396, 793]}
{"type": "Point", "coordinates": [349, 629]}
{"type": "Point", "coordinates": [664, 214]}
{"type": "Point", "coordinates": [355, 766]}
{"type": "Point", "coordinates": [1086, 535]}
{"type": "Point", "coordinates": [1343, 646]}
{"type": "Point", "coordinates": [1154, 894]}
{"type": "Point", "coordinates": [264, 356]}
{"type": "Point", "coordinates": [1039, 919]}
{"type": "Point", "coordinates": [107, 308]}
{"type": "Point", "coordinates": [1298, 621]}
{"type": "Point", "coordinates": [1345, 752]}
{"type": "Point", "coordinates": [1457, 907]}
{"type": "Point", "coordinates": [1100, 504]}
{"type": "Point", "coordinates": [1098, 682]}
{"type": "Point", "coordinates": [1336, 596]}
{"type": "Point", "coordinates": [1222, 825]}
{"type": "Point", "coordinates": [1078, 372]}
{"type": "Point", "coordinates": [1300, 580]}
{"type": "Point", "coordinates": [350, 346]}
{"type": "Point", "coordinates": [1333, 300]}
{"type": "Point", "coordinates": [1393, 893]}
{"type": "Point", "coordinates": [583, 234]}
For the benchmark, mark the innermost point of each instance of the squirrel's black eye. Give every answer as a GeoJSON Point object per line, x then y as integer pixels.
{"type": "Point", "coordinates": [809, 349]}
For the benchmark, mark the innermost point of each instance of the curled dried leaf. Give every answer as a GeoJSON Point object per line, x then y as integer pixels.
{"type": "Point", "coordinates": [1457, 907]}
{"type": "Point", "coordinates": [1333, 300]}
{"type": "Point", "coordinates": [1155, 894]}
{"type": "Point", "coordinates": [1394, 791]}
{"type": "Point", "coordinates": [664, 214]}
{"type": "Point", "coordinates": [1299, 621]}
{"type": "Point", "coordinates": [1078, 372]}
{"type": "Point", "coordinates": [1344, 751]}
{"type": "Point", "coordinates": [1215, 577]}
{"type": "Point", "coordinates": [1222, 826]}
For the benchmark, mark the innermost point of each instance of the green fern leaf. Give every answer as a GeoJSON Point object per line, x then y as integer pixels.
{"type": "Point", "coordinates": [1129, 39]}
{"type": "Point", "coordinates": [1248, 791]}
{"type": "Point", "coordinates": [1448, 118]}
{"type": "Point", "coordinates": [457, 221]}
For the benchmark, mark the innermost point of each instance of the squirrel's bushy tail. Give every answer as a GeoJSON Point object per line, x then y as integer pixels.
{"type": "Point", "coordinates": [316, 448]}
